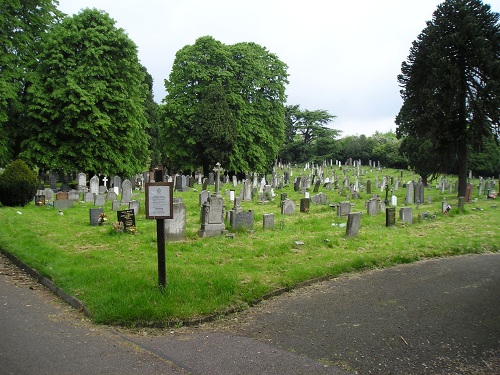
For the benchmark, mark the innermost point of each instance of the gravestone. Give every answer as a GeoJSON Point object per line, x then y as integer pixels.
{"type": "Point", "coordinates": [88, 197]}
{"type": "Point", "coordinates": [468, 192]}
{"type": "Point", "coordinates": [316, 186]}
{"type": "Point", "coordinates": [94, 216]}
{"type": "Point", "coordinates": [212, 217]}
{"type": "Point", "coordinates": [203, 197]}
{"type": "Point", "coordinates": [134, 205]}
{"type": "Point", "coordinates": [65, 187]}
{"type": "Point", "coordinates": [268, 221]}
{"type": "Point", "coordinates": [53, 180]}
{"type": "Point", "coordinates": [82, 181]}
{"type": "Point", "coordinates": [353, 224]}
{"type": "Point", "coordinates": [111, 196]}
{"type": "Point", "coordinates": [49, 194]}
{"type": "Point", "coordinates": [61, 195]}
{"type": "Point", "coordinates": [409, 193]}
{"type": "Point", "coordinates": [247, 191]}
{"type": "Point", "coordinates": [126, 191]}
{"type": "Point", "coordinates": [62, 202]}
{"type": "Point", "coordinates": [99, 200]}
{"type": "Point", "coordinates": [305, 204]}
{"type": "Point", "coordinates": [74, 195]}
{"type": "Point", "coordinates": [103, 189]}
{"type": "Point", "coordinates": [242, 220]}
{"type": "Point", "coordinates": [372, 207]}
{"type": "Point", "coordinates": [127, 218]}
{"type": "Point", "coordinates": [115, 205]}
{"type": "Point", "coordinates": [320, 198]}
{"type": "Point", "coordinates": [287, 207]}
{"type": "Point", "coordinates": [343, 209]}
{"type": "Point", "coordinates": [175, 228]}
{"type": "Point", "coordinates": [94, 185]}
{"type": "Point", "coordinates": [390, 216]}
{"type": "Point", "coordinates": [406, 215]}
{"type": "Point", "coordinates": [117, 183]}
{"type": "Point", "coordinates": [368, 187]}
{"type": "Point", "coordinates": [178, 183]}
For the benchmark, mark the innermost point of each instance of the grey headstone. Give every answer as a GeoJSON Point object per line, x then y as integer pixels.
{"type": "Point", "coordinates": [268, 221]}
{"type": "Point", "coordinates": [353, 224]}
{"type": "Point", "coordinates": [372, 207]}
{"type": "Point", "coordinates": [175, 228]}
{"type": "Point", "coordinates": [406, 215]}
{"type": "Point", "coordinates": [94, 215]}
{"type": "Point", "coordinates": [287, 207]}
{"type": "Point", "coordinates": [99, 200]}
{"type": "Point", "coordinates": [115, 206]}
{"type": "Point", "coordinates": [134, 205]}
{"type": "Point", "coordinates": [94, 185]}
{"type": "Point", "coordinates": [242, 220]}
{"type": "Point", "coordinates": [89, 197]}
{"type": "Point", "coordinates": [111, 196]}
{"type": "Point", "coordinates": [63, 204]}
{"type": "Point", "coordinates": [49, 194]}
{"type": "Point", "coordinates": [126, 191]}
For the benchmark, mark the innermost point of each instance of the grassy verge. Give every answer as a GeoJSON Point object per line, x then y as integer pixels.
{"type": "Point", "coordinates": [115, 274]}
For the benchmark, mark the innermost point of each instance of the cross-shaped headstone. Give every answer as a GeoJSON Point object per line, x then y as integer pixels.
{"type": "Point", "coordinates": [217, 171]}
{"type": "Point", "coordinates": [105, 180]}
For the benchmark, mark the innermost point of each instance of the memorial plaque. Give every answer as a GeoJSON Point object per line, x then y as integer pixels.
{"type": "Point", "coordinates": [127, 217]}
{"type": "Point", "coordinates": [159, 200]}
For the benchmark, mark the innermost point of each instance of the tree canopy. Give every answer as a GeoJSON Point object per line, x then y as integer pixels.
{"type": "Point", "coordinates": [249, 85]}
{"type": "Point", "coordinates": [22, 24]}
{"type": "Point", "coordinates": [451, 82]}
{"type": "Point", "coordinates": [307, 136]}
{"type": "Point", "coordinates": [86, 99]}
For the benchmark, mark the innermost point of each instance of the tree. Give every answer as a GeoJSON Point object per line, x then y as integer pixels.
{"type": "Point", "coordinates": [307, 135]}
{"type": "Point", "coordinates": [386, 149]}
{"type": "Point", "coordinates": [357, 148]}
{"type": "Point", "coordinates": [86, 99]}
{"type": "Point", "coordinates": [451, 82]}
{"type": "Point", "coordinates": [251, 79]}
{"type": "Point", "coordinates": [215, 129]}
{"type": "Point", "coordinates": [153, 118]}
{"type": "Point", "coordinates": [23, 22]}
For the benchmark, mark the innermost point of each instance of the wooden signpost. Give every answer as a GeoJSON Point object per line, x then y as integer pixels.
{"type": "Point", "coordinates": [159, 206]}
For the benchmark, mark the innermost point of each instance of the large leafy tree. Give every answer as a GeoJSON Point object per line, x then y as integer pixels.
{"type": "Point", "coordinates": [307, 135]}
{"type": "Point", "coordinates": [22, 24]}
{"type": "Point", "coordinates": [250, 80]}
{"type": "Point", "coordinates": [87, 99]}
{"type": "Point", "coordinates": [451, 82]}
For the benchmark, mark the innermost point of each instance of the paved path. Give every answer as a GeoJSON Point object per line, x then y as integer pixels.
{"type": "Point", "coordinates": [434, 317]}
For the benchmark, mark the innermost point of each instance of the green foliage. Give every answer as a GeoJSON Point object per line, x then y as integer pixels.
{"type": "Point", "coordinates": [386, 149]}
{"type": "Point", "coordinates": [86, 99]}
{"type": "Point", "coordinates": [22, 24]}
{"type": "Point", "coordinates": [486, 160]}
{"type": "Point", "coordinates": [253, 83]}
{"type": "Point", "coordinates": [215, 129]}
{"type": "Point", "coordinates": [307, 136]}
{"type": "Point", "coordinates": [17, 184]}
{"type": "Point", "coordinates": [450, 82]}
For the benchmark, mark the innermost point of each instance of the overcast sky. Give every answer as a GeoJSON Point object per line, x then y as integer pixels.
{"type": "Point", "coordinates": [342, 56]}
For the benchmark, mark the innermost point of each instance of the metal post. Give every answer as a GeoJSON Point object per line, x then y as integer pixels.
{"type": "Point", "coordinates": [162, 266]}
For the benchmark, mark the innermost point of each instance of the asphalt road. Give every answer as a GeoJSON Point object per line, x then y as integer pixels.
{"type": "Point", "coordinates": [438, 316]}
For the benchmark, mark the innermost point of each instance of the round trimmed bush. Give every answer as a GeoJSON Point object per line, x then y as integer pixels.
{"type": "Point", "coordinates": [18, 184]}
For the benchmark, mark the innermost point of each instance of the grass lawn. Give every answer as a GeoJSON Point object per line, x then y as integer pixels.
{"type": "Point", "coordinates": [115, 274]}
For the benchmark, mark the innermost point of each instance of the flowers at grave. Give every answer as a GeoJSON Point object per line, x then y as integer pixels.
{"type": "Point", "coordinates": [118, 226]}
{"type": "Point", "coordinates": [102, 219]}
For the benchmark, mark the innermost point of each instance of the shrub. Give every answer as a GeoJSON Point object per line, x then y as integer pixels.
{"type": "Point", "coordinates": [18, 184]}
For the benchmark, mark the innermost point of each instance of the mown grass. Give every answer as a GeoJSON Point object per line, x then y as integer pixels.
{"type": "Point", "coordinates": [115, 274]}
